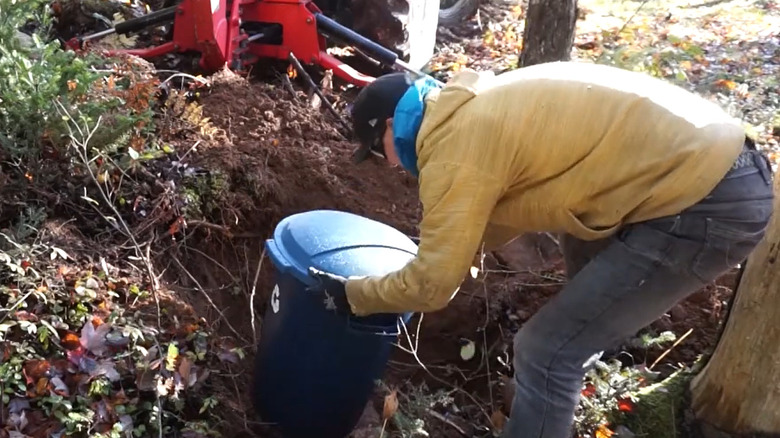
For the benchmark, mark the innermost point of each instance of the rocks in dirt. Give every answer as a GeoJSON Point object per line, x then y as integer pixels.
{"type": "Point", "coordinates": [523, 315]}
{"type": "Point", "coordinates": [678, 313]}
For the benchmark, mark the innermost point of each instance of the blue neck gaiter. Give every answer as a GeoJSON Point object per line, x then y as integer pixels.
{"type": "Point", "coordinates": [407, 120]}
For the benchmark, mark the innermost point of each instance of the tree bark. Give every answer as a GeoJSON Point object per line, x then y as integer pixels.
{"type": "Point", "coordinates": [738, 391]}
{"type": "Point", "coordinates": [549, 31]}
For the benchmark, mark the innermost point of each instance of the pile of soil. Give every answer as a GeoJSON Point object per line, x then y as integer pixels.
{"type": "Point", "coordinates": [276, 156]}
{"type": "Point", "coordinates": [280, 156]}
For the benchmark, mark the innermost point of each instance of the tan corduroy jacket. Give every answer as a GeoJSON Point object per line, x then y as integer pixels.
{"type": "Point", "coordinates": [562, 147]}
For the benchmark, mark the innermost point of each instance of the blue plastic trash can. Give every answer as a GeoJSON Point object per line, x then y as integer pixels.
{"type": "Point", "coordinates": [315, 369]}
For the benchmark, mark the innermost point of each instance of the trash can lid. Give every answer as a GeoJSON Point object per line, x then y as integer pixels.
{"type": "Point", "coordinates": [338, 242]}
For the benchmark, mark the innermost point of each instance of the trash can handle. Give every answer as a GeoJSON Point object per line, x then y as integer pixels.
{"type": "Point", "coordinates": [282, 264]}
{"type": "Point", "coordinates": [376, 330]}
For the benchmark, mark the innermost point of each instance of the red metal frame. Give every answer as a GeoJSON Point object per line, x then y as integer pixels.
{"type": "Point", "coordinates": [213, 28]}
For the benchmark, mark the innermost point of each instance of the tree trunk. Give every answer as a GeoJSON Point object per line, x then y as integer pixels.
{"type": "Point", "coordinates": [549, 31]}
{"type": "Point", "coordinates": [738, 391]}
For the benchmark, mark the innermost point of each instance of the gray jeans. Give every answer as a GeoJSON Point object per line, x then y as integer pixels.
{"type": "Point", "coordinates": [622, 284]}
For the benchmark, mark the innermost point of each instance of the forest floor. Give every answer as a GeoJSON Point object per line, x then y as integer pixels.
{"type": "Point", "coordinates": [135, 204]}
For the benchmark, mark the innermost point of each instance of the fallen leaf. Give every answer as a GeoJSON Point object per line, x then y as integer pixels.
{"type": "Point", "coordinates": [589, 390]}
{"type": "Point", "coordinates": [42, 387]}
{"type": "Point", "coordinates": [227, 356]}
{"type": "Point", "coordinates": [603, 432]}
{"type": "Point", "coordinates": [126, 422]}
{"type": "Point", "coordinates": [23, 315]}
{"type": "Point", "coordinates": [105, 368]}
{"type": "Point", "coordinates": [17, 405]}
{"type": "Point", "coordinates": [70, 341]}
{"type": "Point", "coordinates": [725, 83]}
{"type": "Point", "coordinates": [176, 226]}
{"type": "Point", "coordinates": [625, 405]}
{"type": "Point", "coordinates": [94, 339]}
{"type": "Point", "coordinates": [34, 370]}
{"type": "Point", "coordinates": [164, 386]}
{"type": "Point", "coordinates": [391, 405]}
{"type": "Point", "coordinates": [498, 419]}
{"type": "Point", "coordinates": [184, 369]}
{"type": "Point", "coordinates": [18, 421]}
{"type": "Point", "coordinates": [145, 380]}
{"type": "Point", "coordinates": [59, 387]}
{"type": "Point", "coordinates": [170, 358]}
{"type": "Point", "coordinates": [468, 350]}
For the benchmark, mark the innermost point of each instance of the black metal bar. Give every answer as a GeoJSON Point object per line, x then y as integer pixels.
{"type": "Point", "coordinates": [382, 54]}
{"type": "Point", "coordinates": [135, 24]}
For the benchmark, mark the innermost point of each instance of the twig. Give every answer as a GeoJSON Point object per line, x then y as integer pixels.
{"type": "Point", "coordinates": [208, 298]}
{"type": "Point", "coordinates": [440, 380]}
{"type": "Point", "coordinates": [644, 2]}
{"type": "Point", "coordinates": [446, 421]}
{"type": "Point", "coordinates": [2, 404]}
{"type": "Point", "coordinates": [676, 343]}
{"type": "Point", "coordinates": [288, 86]}
{"type": "Point", "coordinates": [317, 90]}
{"type": "Point", "coordinates": [212, 260]}
{"type": "Point", "coordinates": [238, 396]}
{"type": "Point", "coordinates": [184, 75]}
{"type": "Point", "coordinates": [486, 353]}
{"type": "Point", "coordinates": [12, 308]}
{"type": "Point", "coordinates": [82, 146]}
{"type": "Point", "coordinates": [189, 150]}
{"type": "Point", "coordinates": [486, 358]}
{"type": "Point", "coordinates": [160, 412]}
{"type": "Point", "coordinates": [153, 280]}
{"type": "Point", "coordinates": [200, 223]}
{"type": "Point", "coordinates": [252, 295]}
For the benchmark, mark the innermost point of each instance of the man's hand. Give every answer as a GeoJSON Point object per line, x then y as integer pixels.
{"type": "Point", "coordinates": [333, 289]}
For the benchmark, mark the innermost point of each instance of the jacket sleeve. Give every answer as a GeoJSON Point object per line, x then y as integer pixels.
{"type": "Point", "coordinates": [457, 203]}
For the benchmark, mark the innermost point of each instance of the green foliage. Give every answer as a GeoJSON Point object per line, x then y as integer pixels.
{"type": "Point", "coordinates": [40, 75]}
{"type": "Point", "coordinates": [658, 408]}
{"type": "Point", "coordinates": [414, 404]}
{"type": "Point", "coordinates": [204, 194]}
{"type": "Point", "coordinates": [34, 77]}
{"type": "Point", "coordinates": [611, 389]}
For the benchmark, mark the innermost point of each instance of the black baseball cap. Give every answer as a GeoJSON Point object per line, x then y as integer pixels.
{"type": "Point", "coordinates": [374, 104]}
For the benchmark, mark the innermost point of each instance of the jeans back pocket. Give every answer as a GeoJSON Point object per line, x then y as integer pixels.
{"type": "Point", "coordinates": [727, 243]}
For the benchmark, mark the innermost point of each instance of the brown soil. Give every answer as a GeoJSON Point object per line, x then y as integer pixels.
{"type": "Point", "coordinates": [281, 157]}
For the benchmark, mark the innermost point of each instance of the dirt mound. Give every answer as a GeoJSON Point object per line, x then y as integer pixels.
{"type": "Point", "coordinates": [282, 156]}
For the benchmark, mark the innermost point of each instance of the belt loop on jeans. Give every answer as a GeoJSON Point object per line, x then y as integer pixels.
{"type": "Point", "coordinates": [764, 166]}
{"type": "Point", "coordinates": [760, 160]}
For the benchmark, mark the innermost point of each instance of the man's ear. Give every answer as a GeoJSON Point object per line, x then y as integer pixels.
{"type": "Point", "coordinates": [389, 123]}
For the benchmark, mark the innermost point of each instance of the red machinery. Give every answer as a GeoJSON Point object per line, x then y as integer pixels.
{"type": "Point", "coordinates": [239, 32]}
